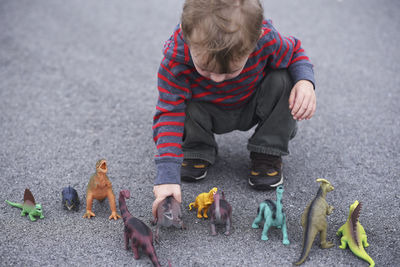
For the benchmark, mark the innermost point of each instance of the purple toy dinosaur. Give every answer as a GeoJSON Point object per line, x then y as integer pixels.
{"type": "Point", "coordinates": [168, 214]}
{"type": "Point", "coordinates": [220, 213]}
{"type": "Point", "coordinates": [137, 231]}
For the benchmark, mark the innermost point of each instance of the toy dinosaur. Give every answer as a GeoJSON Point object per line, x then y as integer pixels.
{"type": "Point", "coordinates": [203, 202]}
{"type": "Point", "coordinates": [313, 220]}
{"type": "Point", "coordinates": [221, 213]}
{"type": "Point", "coordinates": [70, 199]}
{"type": "Point", "coordinates": [168, 213]}
{"type": "Point", "coordinates": [100, 188]}
{"type": "Point", "coordinates": [136, 231]}
{"type": "Point", "coordinates": [354, 234]}
{"type": "Point", "coordinates": [29, 206]}
{"type": "Point", "coordinates": [273, 215]}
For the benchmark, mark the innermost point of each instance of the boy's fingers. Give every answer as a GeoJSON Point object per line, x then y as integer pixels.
{"type": "Point", "coordinates": [297, 104]}
{"type": "Point", "coordinates": [178, 197]}
{"type": "Point", "coordinates": [291, 98]}
{"type": "Point", "coordinates": [303, 109]}
{"type": "Point", "coordinates": [308, 113]}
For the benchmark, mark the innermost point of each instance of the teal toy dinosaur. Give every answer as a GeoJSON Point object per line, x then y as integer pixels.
{"type": "Point", "coordinates": [354, 234]}
{"type": "Point", "coordinates": [29, 206]}
{"type": "Point", "coordinates": [272, 214]}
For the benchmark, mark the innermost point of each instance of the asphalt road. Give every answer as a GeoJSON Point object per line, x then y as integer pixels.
{"type": "Point", "coordinates": [78, 83]}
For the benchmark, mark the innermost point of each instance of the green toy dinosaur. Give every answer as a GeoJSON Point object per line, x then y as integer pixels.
{"type": "Point", "coordinates": [273, 215]}
{"type": "Point", "coordinates": [354, 234]}
{"type": "Point", "coordinates": [29, 206]}
{"type": "Point", "coordinates": [313, 220]}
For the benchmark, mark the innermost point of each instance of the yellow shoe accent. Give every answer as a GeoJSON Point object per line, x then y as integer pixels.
{"type": "Point", "coordinates": [254, 173]}
{"type": "Point", "coordinates": [200, 166]}
{"type": "Point", "coordinates": [272, 173]}
{"type": "Point", "coordinates": [184, 164]}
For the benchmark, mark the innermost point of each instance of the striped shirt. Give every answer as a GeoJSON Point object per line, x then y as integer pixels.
{"type": "Point", "coordinates": [178, 82]}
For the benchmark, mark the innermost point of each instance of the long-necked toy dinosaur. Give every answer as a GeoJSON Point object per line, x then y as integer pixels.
{"type": "Point", "coordinates": [273, 215]}
{"type": "Point", "coordinates": [29, 206]}
{"type": "Point", "coordinates": [353, 234]}
{"type": "Point", "coordinates": [136, 231]}
{"type": "Point", "coordinates": [313, 220]}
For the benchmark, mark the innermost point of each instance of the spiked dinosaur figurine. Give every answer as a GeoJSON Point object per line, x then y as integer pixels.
{"type": "Point", "coordinates": [100, 188]}
{"type": "Point", "coordinates": [136, 231]}
{"type": "Point", "coordinates": [221, 213]}
{"type": "Point", "coordinates": [202, 202]}
{"type": "Point", "coordinates": [354, 234]}
{"type": "Point", "coordinates": [168, 214]}
{"type": "Point", "coordinates": [273, 215]}
{"type": "Point", "coordinates": [29, 206]}
{"type": "Point", "coordinates": [313, 220]}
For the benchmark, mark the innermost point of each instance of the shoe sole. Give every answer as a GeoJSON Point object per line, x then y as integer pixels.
{"type": "Point", "coordinates": [193, 179]}
{"type": "Point", "coordinates": [264, 187]}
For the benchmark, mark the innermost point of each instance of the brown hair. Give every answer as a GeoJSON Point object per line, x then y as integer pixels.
{"type": "Point", "coordinates": [224, 31]}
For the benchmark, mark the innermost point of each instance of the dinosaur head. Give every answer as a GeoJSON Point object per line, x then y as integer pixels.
{"type": "Point", "coordinates": [70, 205]}
{"type": "Point", "coordinates": [279, 190]}
{"type": "Point", "coordinates": [38, 208]}
{"type": "Point", "coordinates": [125, 193]}
{"type": "Point", "coordinates": [101, 166]}
{"type": "Point", "coordinates": [212, 192]}
{"type": "Point", "coordinates": [325, 185]}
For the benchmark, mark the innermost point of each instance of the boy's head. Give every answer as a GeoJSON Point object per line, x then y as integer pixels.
{"type": "Point", "coordinates": [221, 34]}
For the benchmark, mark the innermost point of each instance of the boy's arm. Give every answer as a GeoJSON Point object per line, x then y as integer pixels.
{"type": "Point", "coordinates": [168, 128]}
{"type": "Point", "coordinates": [288, 53]}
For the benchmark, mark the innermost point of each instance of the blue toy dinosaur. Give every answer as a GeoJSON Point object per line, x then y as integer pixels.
{"type": "Point", "coordinates": [272, 214]}
{"type": "Point", "coordinates": [70, 199]}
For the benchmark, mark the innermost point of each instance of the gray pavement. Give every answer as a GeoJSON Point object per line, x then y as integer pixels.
{"type": "Point", "coordinates": [78, 83]}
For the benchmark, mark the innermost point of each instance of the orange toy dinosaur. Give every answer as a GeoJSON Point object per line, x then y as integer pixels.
{"type": "Point", "coordinates": [202, 202]}
{"type": "Point", "coordinates": [100, 188]}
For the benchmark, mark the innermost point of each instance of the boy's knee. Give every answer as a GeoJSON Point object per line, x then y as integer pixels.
{"type": "Point", "coordinates": [278, 82]}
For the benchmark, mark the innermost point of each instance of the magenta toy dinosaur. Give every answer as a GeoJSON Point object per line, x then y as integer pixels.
{"type": "Point", "coordinates": [136, 231]}
{"type": "Point", "coordinates": [220, 213]}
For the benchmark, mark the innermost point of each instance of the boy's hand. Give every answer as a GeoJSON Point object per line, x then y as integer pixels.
{"type": "Point", "coordinates": [165, 190]}
{"type": "Point", "coordinates": [302, 100]}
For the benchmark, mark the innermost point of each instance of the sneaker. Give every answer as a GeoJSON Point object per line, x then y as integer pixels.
{"type": "Point", "coordinates": [194, 169]}
{"type": "Point", "coordinates": [266, 171]}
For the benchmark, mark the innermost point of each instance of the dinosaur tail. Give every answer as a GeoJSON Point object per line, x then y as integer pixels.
{"type": "Point", "coordinates": [308, 240]}
{"type": "Point", "coordinates": [151, 253]}
{"type": "Point", "coordinates": [362, 254]}
{"type": "Point", "coordinates": [192, 204]}
{"type": "Point", "coordinates": [18, 205]}
{"type": "Point", "coordinates": [122, 204]}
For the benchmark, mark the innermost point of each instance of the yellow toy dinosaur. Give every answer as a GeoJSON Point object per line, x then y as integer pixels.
{"type": "Point", "coordinates": [202, 202]}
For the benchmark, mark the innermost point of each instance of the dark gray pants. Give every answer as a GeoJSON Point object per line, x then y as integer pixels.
{"type": "Point", "coordinates": [268, 109]}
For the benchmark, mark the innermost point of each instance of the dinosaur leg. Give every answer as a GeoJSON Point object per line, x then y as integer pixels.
{"type": "Point", "coordinates": [32, 217]}
{"type": "Point", "coordinates": [156, 234]}
{"type": "Point", "coordinates": [284, 232]}
{"type": "Point", "coordinates": [228, 226]}
{"type": "Point", "coordinates": [111, 199]}
{"type": "Point", "coordinates": [267, 225]}
{"type": "Point", "coordinates": [199, 215]}
{"type": "Point", "coordinates": [135, 250]}
{"type": "Point", "coordinates": [363, 236]}
{"type": "Point", "coordinates": [343, 242]}
{"type": "Point", "coordinates": [257, 220]}
{"type": "Point", "coordinates": [23, 213]}
{"type": "Point", "coordinates": [213, 232]}
{"type": "Point", "coordinates": [126, 238]}
{"type": "Point", "coordinates": [324, 243]}
{"type": "Point", "coordinates": [205, 212]}
{"type": "Point", "coordinates": [89, 202]}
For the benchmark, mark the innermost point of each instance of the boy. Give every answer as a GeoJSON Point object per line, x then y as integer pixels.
{"type": "Point", "coordinates": [225, 68]}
